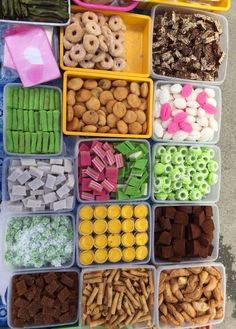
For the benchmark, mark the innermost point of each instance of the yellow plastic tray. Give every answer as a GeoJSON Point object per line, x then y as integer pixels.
{"type": "Point", "coordinates": [223, 5]}
{"type": "Point", "coordinates": [137, 41]}
{"type": "Point", "coordinates": [97, 76]}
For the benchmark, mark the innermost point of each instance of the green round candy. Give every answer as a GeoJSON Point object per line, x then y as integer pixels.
{"type": "Point", "coordinates": [191, 159]}
{"type": "Point", "coordinates": [204, 188]}
{"type": "Point", "coordinates": [198, 178]}
{"type": "Point", "coordinates": [200, 165]}
{"type": "Point", "coordinates": [171, 149]}
{"type": "Point", "coordinates": [205, 172]}
{"type": "Point", "coordinates": [190, 171]}
{"type": "Point", "coordinates": [186, 180]}
{"type": "Point", "coordinates": [169, 168]}
{"type": "Point", "coordinates": [212, 178]}
{"type": "Point", "coordinates": [196, 150]}
{"type": "Point", "coordinates": [166, 182]}
{"type": "Point", "coordinates": [176, 185]}
{"type": "Point", "coordinates": [160, 150]}
{"type": "Point", "coordinates": [209, 151]}
{"type": "Point", "coordinates": [212, 166]}
{"type": "Point", "coordinates": [190, 186]}
{"type": "Point", "coordinates": [181, 168]}
{"type": "Point", "coordinates": [165, 158]}
{"type": "Point", "coordinates": [161, 196]}
{"type": "Point", "coordinates": [195, 194]}
{"type": "Point", "coordinates": [171, 196]}
{"type": "Point", "coordinates": [177, 158]}
{"type": "Point", "coordinates": [159, 168]}
{"type": "Point", "coordinates": [175, 175]}
{"type": "Point", "coordinates": [167, 190]}
{"type": "Point", "coordinates": [182, 195]}
{"type": "Point", "coordinates": [205, 157]}
{"type": "Point", "coordinates": [183, 150]}
{"type": "Point", "coordinates": [159, 182]}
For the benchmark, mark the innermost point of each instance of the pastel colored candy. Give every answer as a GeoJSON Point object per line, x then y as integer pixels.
{"type": "Point", "coordinates": [180, 117]}
{"type": "Point", "coordinates": [173, 127]}
{"type": "Point", "coordinates": [185, 126]}
{"type": "Point", "coordinates": [187, 90]}
{"type": "Point", "coordinates": [211, 109]}
{"type": "Point", "coordinates": [165, 111]}
{"type": "Point", "coordinates": [180, 103]}
{"type": "Point", "coordinates": [202, 97]}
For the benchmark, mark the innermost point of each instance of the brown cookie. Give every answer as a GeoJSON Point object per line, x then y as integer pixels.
{"type": "Point", "coordinates": [90, 118]}
{"type": "Point", "coordinates": [112, 120]}
{"type": "Point", "coordinates": [130, 116]}
{"type": "Point", "coordinates": [120, 93]}
{"type": "Point", "coordinates": [105, 97]}
{"type": "Point", "coordinates": [122, 127]}
{"type": "Point", "coordinates": [93, 104]}
{"type": "Point", "coordinates": [70, 113]}
{"type": "Point", "coordinates": [89, 128]}
{"type": "Point", "coordinates": [90, 84]}
{"type": "Point", "coordinates": [71, 97]}
{"type": "Point", "coordinates": [73, 125]}
{"type": "Point", "coordinates": [141, 116]}
{"type": "Point", "coordinates": [119, 83]}
{"type": "Point", "coordinates": [144, 89]}
{"type": "Point", "coordinates": [135, 88]}
{"type": "Point", "coordinates": [105, 84]}
{"type": "Point", "coordinates": [79, 110]}
{"type": "Point", "coordinates": [75, 84]}
{"type": "Point", "coordinates": [83, 95]}
{"type": "Point", "coordinates": [135, 128]}
{"type": "Point", "coordinates": [109, 105]}
{"type": "Point", "coordinates": [133, 100]}
{"type": "Point", "coordinates": [119, 109]}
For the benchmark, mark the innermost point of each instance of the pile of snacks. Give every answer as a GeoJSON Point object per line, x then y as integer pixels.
{"type": "Point", "coordinates": [184, 172]}
{"type": "Point", "coordinates": [93, 40]}
{"type": "Point", "coordinates": [183, 232]}
{"type": "Point", "coordinates": [39, 241]}
{"type": "Point", "coordinates": [37, 185]}
{"type": "Point", "coordinates": [107, 106]}
{"type": "Point", "coordinates": [118, 297]}
{"type": "Point", "coordinates": [117, 170]}
{"type": "Point", "coordinates": [32, 120]}
{"type": "Point", "coordinates": [187, 46]}
{"type": "Point", "coordinates": [50, 11]}
{"type": "Point", "coordinates": [44, 299]}
{"type": "Point", "coordinates": [113, 233]}
{"type": "Point", "coordinates": [190, 296]}
{"type": "Point", "coordinates": [183, 112]}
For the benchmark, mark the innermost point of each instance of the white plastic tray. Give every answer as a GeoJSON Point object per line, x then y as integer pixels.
{"type": "Point", "coordinates": [217, 116]}
{"type": "Point", "coordinates": [215, 241]}
{"type": "Point", "coordinates": [224, 42]}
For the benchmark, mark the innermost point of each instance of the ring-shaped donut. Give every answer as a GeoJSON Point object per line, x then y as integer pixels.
{"type": "Point", "coordinates": [68, 61]}
{"type": "Point", "coordinates": [74, 32]}
{"type": "Point", "coordinates": [89, 16]}
{"type": "Point", "coordinates": [77, 53]}
{"type": "Point", "coordinates": [90, 43]}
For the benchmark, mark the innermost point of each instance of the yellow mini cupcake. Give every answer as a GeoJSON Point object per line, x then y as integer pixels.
{"type": "Point", "coordinates": [100, 241]}
{"type": "Point", "coordinates": [114, 226]}
{"type": "Point", "coordinates": [100, 212]}
{"type": "Point", "coordinates": [141, 253]}
{"type": "Point", "coordinates": [127, 211]}
{"type": "Point", "coordinates": [141, 239]}
{"type": "Point", "coordinates": [128, 254]}
{"type": "Point", "coordinates": [100, 226]}
{"type": "Point", "coordinates": [128, 240]}
{"type": "Point", "coordinates": [86, 242]}
{"type": "Point", "coordinates": [127, 225]}
{"type": "Point", "coordinates": [85, 227]}
{"type": "Point", "coordinates": [113, 211]}
{"type": "Point", "coordinates": [86, 213]}
{"type": "Point", "coordinates": [140, 211]}
{"type": "Point", "coordinates": [141, 224]}
{"type": "Point", "coordinates": [86, 257]}
{"type": "Point", "coordinates": [114, 255]}
{"type": "Point", "coordinates": [113, 240]}
{"type": "Point", "coordinates": [100, 256]}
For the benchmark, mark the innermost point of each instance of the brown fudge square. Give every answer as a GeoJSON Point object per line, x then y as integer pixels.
{"type": "Point", "coordinates": [18, 323]}
{"type": "Point", "coordinates": [23, 313]}
{"type": "Point", "coordinates": [211, 248]}
{"type": "Point", "coordinates": [21, 287]}
{"type": "Point", "coordinates": [195, 231]}
{"type": "Point", "coordinates": [33, 308]}
{"type": "Point", "coordinates": [52, 287]}
{"type": "Point", "coordinates": [181, 218]}
{"type": "Point", "coordinates": [179, 247]}
{"type": "Point", "coordinates": [48, 319]}
{"type": "Point", "coordinates": [187, 209]}
{"type": "Point", "coordinates": [57, 312]}
{"type": "Point", "coordinates": [63, 295]}
{"type": "Point", "coordinates": [165, 223]}
{"type": "Point", "coordinates": [199, 218]}
{"type": "Point", "coordinates": [29, 279]}
{"type": "Point", "coordinates": [39, 282]}
{"type": "Point", "coordinates": [49, 277]}
{"type": "Point", "coordinates": [65, 307]}
{"type": "Point", "coordinates": [203, 252]}
{"type": "Point", "coordinates": [197, 209]}
{"type": "Point", "coordinates": [64, 318]}
{"type": "Point", "coordinates": [32, 291]}
{"type": "Point", "coordinates": [69, 282]}
{"type": "Point", "coordinates": [21, 302]}
{"type": "Point", "coordinates": [47, 310]}
{"type": "Point", "coordinates": [73, 311]}
{"type": "Point", "coordinates": [38, 318]}
{"type": "Point", "coordinates": [178, 231]}
{"type": "Point", "coordinates": [208, 226]}
{"type": "Point", "coordinates": [204, 240]}
{"type": "Point", "coordinates": [208, 211]}
{"type": "Point", "coordinates": [47, 301]}
{"type": "Point", "coordinates": [165, 238]}
{"type": "Point", "coordinates": [166, 252]}
{"type": "Point", "coordinates": [194, 247]}
{"type": "Point", "coordinates": [169, 212]}
{"type": "Point", "coordinates": [158, 212]}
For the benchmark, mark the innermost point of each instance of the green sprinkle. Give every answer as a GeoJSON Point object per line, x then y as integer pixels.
{"type": "Point", "coordinates": [41, 98]}
{"type": "Point", "coordinates": [31, 98]}
{"type": "Point", "coordinates": [43, 121]}
{"type": "Point", "coordinates": [56, 121]}
{"type": "Point", "coordinates": [46, 105]}
{"type": "Point", "coordinates": [14, 120]}
{"type": "Point", "coordinates": [9, 96]}
{"type": "Point", "coordinates": [20, 120]}
{"type": "Point", "coordinates": [36, 99]}
{"type": "Point", "coordinates": [122, 196]}
{"type": "Point", "coordinates": [57, 139]}
{"type": "Point", "coordinates": [36, 120]}
{"type": "Point", "coordinates": [21, 99]}
{"type": "Point", "coordinates": [26, 98]}
{"type": "Point", "coordinates": [51, 148]}
{"type": "Point", "coordinates": [21, 142]}
{"type": "Point", "coordinates": [15, 98]}
{"type": "Point", "coordinates": [57, 100]}
{"type": "Point", "coordinates": [51, 100]}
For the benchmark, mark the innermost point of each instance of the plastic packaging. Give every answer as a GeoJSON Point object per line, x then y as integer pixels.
{"type": "Point", "coordinates": [224, 43]}
{"type": "Point", "coordinates": [215, 241]}
{"type": "Point", "coordinates": [217, 116]}
{"type": "Point", "coordinates": [92, 6]}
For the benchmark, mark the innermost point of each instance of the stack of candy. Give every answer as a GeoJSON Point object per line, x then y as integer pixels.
{"type": "Point", "coordinates": [32, 120]}
{"type": "Point", "coordinates": [184, 172]}
{"type": "Point", "coordinates": [113, 234]}
{"type": "Point", "coordinates": [113, 170]}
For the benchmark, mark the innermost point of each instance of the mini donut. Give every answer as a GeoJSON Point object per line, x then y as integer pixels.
{"type": "Point", "coordinates": [74, 32]}
{"type": "Point", "coordinates": [108, 34]}
{"type": "Point", "coordinates": [89, 16]}
{"type": "Point", "coordinates": [116, 49]}
{"type": "Point", "coordinates": [68, 61]}
{"type": "Point", "coordinates": [93, 28]}
{"type": "Point", "coordinates": [102, 43]}
{"type": "Point", "coordinates": [118, 64]}
{"type": "Point", "coordinates": [77, 53]}
{"type": "Point", "coordinates": [107, 63]}
{"type": "Point", "coordinates": [119, 36]}
{"type": "Point", "coordinates": [98, 56]}
{"type": "Point", "coordinates": [88, 56]}
{"type": "Point", "coordinates": [85, 64]}
{"type": "Point", "coordinates": [90, 43]}
{"type": "Point", "coordinates": [77, 18]}
{"type": "Point", "coordinates": [101, 19]}
{"type": "Point", "coordinates": [67, 44]}
{"type": "Point", "coordinates": [115, 23]}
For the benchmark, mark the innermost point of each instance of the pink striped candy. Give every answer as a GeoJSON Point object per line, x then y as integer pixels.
{"type": "Point", "coordinates": [180, 117]}
{"type": "Point", "coordinates": [185, 126]}
{"type": "Point", "coordinates": [202, 98]}
{"type": "Point", "coordinates": [103, 197]}
{"type": "Point", "coordinates": [110, 157]}
{"type": "Point", "coordinates": [92, 173]}
{"type": "Point", "coordinates": [187, 90]}
{"type": "Point", "coordinates": [108, 186]}
{"type": "Point", "coordinates": [87, 196]}
{"type": "Point", "coordinates": [211, 109]}
{"type": "Point", "coordinates": [99, 164]}
{"type": "Point", "coordinates": [165, 111]}
{"type": "Point", "coordinates": [173, 127]}
{"type": "Point", "coordinates": [119, 160]}
{"type": "Point", "coordinates": [99, 151]}
{"type": "Point", "coordinates": [95, 186]}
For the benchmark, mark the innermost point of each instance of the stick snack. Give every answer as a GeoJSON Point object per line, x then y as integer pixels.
{"type": "Point", "coordinates": [118, 297]}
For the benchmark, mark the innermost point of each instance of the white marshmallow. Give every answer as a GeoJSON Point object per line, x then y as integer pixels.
{"type": "Point", "coordinates": [180, 136]}
{"type": "Point", "coordinates": [201, 113]}
{"type": "Point", "coordinates": [177, 96]}
{"type": "Point", "coordinates": [69, 202]}
{"type": "Point", "coordinates": [206, 134]}
{"type": "Point", "coordinates": [166, 123]}
{"type": "Point", "coordinates": [167, 136]}
{"type": "Point", "coordinates": [164, 96]}
{"type": "Point", "coordinates": [176, 112]}
{"type": "Point", "coordinates": [57, 170]}
{"type": "Point", "coordinates": [50, 197]}
{"type": "Point", "coordinates": [180, 103]}
{"type": "Point", "coordinates": [190, 119]}
{"type": "Point", "coordinates": [15, 174]}
{"type": "Point", "coordinates": [191, 111]}
{"type": "Point", "coordinates": [157, 110]}
{"type": "Point", "coordinates": [198, 90]}
{"type": "Point", "coordinates": [192, 104]}
{"type": "Point", "coordinates": [212, 101]}
{"type": "Point", "coordinates": [50, 182]}
{"type": "Point", "coordinates": [35, 172]}
{"type": "Point", "coordinates": [213, 124]}
{"type": "Point", "coordinates": [63, 191]}
{"type": "Point", "coordinates": [22, 179]}
{"type": "Point", "coordinates": [196, 126]}
{"type": "Point", "coordinates": [19, 190]}
{"type": "Point", "coordinates": [59, 205]}
{"type": "Point", "coordinates": [203, 121]}
{"type": "Point", "coordinates": [176, 88]}
{"type": "Point", "coordinates": [193, 136]}
{"type": "Point", "coordinates": [157, 94]}
{"type": "Point", "coordinates": [28, 162]}
{"type": "Point", "coordinates": [192, 97]}
{"type": "Point", "coordinates": [210, 92]}
{"type": "Point", "coordinates": [158, 129]}
{"type": "Point", "coordinates": [36, 184]}
{"type": "Point", "coordinates": [165, 87]}
{"type": "Point", "coordinates": [68, 166]}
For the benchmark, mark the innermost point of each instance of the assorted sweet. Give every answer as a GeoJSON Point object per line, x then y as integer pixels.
{"type": "Point", "coordinates": [115, 233]}
{"type": "Point", "coordinates": [49, 11]}
{"type": "Point", "coordinates": [107, 106]}
{"type": "Point", "coordinates": [113, 170]}
{"type": "Point", "coordinates": [190, 296]}
{"type": "Point", "coordinates": [32, 120]}
{"type": "Point", "coordinates": [184, 112]}
{"type": "Point", "coordinates": [183, 232]}
{"type": "Point", "coordinates": [184, 173]}
{"type": "Point", "coordinates": [93, 40]}
{"type": "Point", "coordinates": [115, 298]}
{"type": "Point", "coordinates": [40, 184]}
{"type": "Point", "coordinates": [187, 46]}
{"type": "Point", "coordinates": [44, 299]}
{"type": "Point", "coordinates": [39, 241]}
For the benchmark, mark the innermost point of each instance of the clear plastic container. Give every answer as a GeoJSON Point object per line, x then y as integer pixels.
{"type": "Point", "coordinates": [92, 6]}
{"type": "Point", "coordinates": [224, 43]}
{"type": "Point", "coordinates": [217, 116]}
{"type": "Point", "coordinates": [5, 115]}
{"type": "Point", "coordinates": [219, 266]}
{"type": "Point", "coordinates": [210, 198]}
{"type": "Point", "coordinates": [112, 140]}
{"type": "Point", "coordinates": [9, 306]}
{"type": "Point", "coordinates": [4, 224]}
{"type": "Point", "coordinates": [151, 267]}
{"type": "Point", "coordinates": [215, 241]}
{"type": "Point", "coordinates": [107, 263]}
{"type": "Point", "coordinates": [5, 193]}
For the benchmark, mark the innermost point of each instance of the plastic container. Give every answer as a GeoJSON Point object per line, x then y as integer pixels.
{"type": "Point", "coordinates": [137, 326]}
{"type": "Point", "coordinates": [219, 266]}
{"type": "Point", "coordinates": [135, 262]}
{"type": "Point", "coordinates": [221, 5]}
{"type": "Point", "coordinates": [215, 241]}
{"type": "Point", "coordinates": [210, 198]}
{"type": "Point", "coordinates": [224, 43]}
{"type": "Point", "coordinates": [4, 224]}
{"type": "Point", "coordinates": [217, 116]}
{"type": "Point", "coordinates": [9, 306]}
{"type": "Point", "coordinates": [5, 115]}
{"type": "Point", "coordinates": [111, 140]}
{"type": "Point", "coordinates": [5, 194]}
{"type": "Point", "coordinates": [98, 76]}
{"type": "Point", "coordinates": [33, 22]}
{"type": "Point", "coordinates": [92, 6]}
{"type": "Point", "coordinates": [137, 42]}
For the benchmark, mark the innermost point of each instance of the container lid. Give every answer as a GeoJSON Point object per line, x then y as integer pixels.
{"type": "Point", "coordinates": [128, 239]}
{"type": "Point", "coordinates": [127, 211]}
{"type": "Point", "coordinates": [128, 254]}
{"type": "Point", "coordinates": [100, 241]}
{"type": "Point", "coordinates": [100, 226]}
{"type": "Point", "coordinates": [141, 239]}
{"type": "Point", "coordinates": [100, 256]}
{"type": "Point", "coordinates": [100, 212]}
{"type": "Point", "coordinates": [86, 257]}
{"type": "Point", "coordinates": [114, 255]}
{"type": "Point", "coordinates": [85, 227]}
{"type": "Point", "coordinates": [113, 240]}
{"type": "Point", "coordinates": [113, 211]}
{"type": "Point", "coordinates": [86, 213]}
{"type": "Point", "coordinates": [114, 226]}
{"type": "Point", "coordinates": [141, 224]}
{"type": "Point", "coordinates": [141, 253]}
{"type": "Point", "coordinates": [128, 225]}
{"type": "Point", "coordinates": [141, 211]}
{"type": "Point", "coordinates": [86, 242]}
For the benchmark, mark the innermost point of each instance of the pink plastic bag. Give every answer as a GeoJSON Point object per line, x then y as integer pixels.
{"type": "Point", "coordinates": [31, 54]}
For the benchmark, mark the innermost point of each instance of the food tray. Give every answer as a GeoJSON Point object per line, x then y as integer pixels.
{"type": "Point", "coordinates": [92, 6]}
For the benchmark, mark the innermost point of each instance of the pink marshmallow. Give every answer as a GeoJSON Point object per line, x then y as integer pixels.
{"type": "Point", "coordinates": [202, 98]}
{"type": "Point", "coordinates": [180, 117]}
{"type": "Point", "coordinates": [185, 126]}
{"type": "Point", "coordinates": [165, 111]}
{"type": "Point", "coordinates": [173, 127]}
{"type": "Point", "coordinates": [211, 109]}
{"type": "Point", "coordinates": [187, 90]}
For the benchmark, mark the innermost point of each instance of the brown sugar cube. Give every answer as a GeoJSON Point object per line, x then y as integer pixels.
{"type": "Point", "coordinates": [65, 307]}
{"type": "Point", "coordinates": [165, 223]}
{"type": "Point", "coordinates": [158, 212]}
{"type": "Point", "coordinates": [32, 291]}
{"type": "Point", "coordinates": [66, 280]}
{"type": "Point", "coordinates": [208, 226]}
{"type": "Point", "coordinates": [56, 313]}
{"type": "Point", "coordinates": [193, 248]}
{"type": "Point", "coordinates": [169, 212]}
{"type": "Point", "coordinates": [64, 318]}
{"type": "Point", "coordinates": [39, 282]}
{"type": "Point", "coordinates": [38, 318]}
{"type": "Point", "coordinates": [21, 287]}
{"type": "Point", "coordinates": [33, 308]}
{"type": "Point", "coordinates": [47, 301]}
{"type": "Point", "coordinates": [179, 247]}
{"type": "Point", "coordinates": [197, 209]}
{"type": "Point", "coordinates": [199, 218]}
{"type": "Point", "coordinates": [52, 287]}
{"type": "Point", "coordinates": [49, 277]}
{"type": "Point", "coordinates": [181, 218]}
{"type": "Point", "coordinates": [21, 302]}
{"type": "Point", "coordinates": [203, 252]}
{"type": "Point", "coordinates": [63, 295]}
{"type": "Point", "coordinates": [178, 231]}
{"type": "Point", "coordinates": [204, 241]}
{"type": "Point", "coordinates": [211, 248]}
{"type": "Point", "coordinates": [166, 252]}
{"type": "Point", "coordinates": [187, 209]}
{"type": "Point", "coordinates": [29, 279]}
{"type": "Point", "coordinates": [23, 313]}
{"type": "Point", "coordinates": [195, 231]}
{"type": "Point", "coordinates": [165, 238]}
{"type": "Point", "coordinates": [208, 211]}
